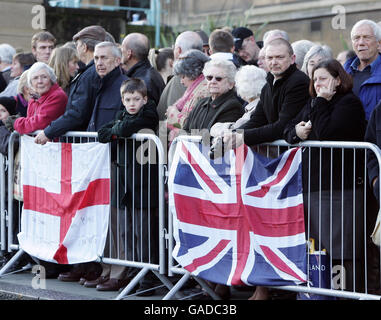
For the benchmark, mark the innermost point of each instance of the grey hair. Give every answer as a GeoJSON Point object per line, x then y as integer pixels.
{"type": "Point", "coordinates": [300, 48]}
{"type": "Point", "coordinates": [188, 40]}
{"type": "Point", "coordinates": [249, 81]}
{"type": "Point", "coordinates": [228, 67]}
{"type": "Point", "coordinates": [114, 48]}
{"type": "Point", "coordinates": [190, 64]}
{"type": "Point", "coordinates": [37, 67]}
{"type": "Point", "coordinates": [276, 33]}
{"type": "Point", "coordinates": [375, 27]}
{"type": "Point", "coordinates": [323, 51]}
{"type": "Point", "coordinates": [6, 53]}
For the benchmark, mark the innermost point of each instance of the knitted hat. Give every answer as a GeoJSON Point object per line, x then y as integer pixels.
{"type": "Point", "coordinates": [9, 103]}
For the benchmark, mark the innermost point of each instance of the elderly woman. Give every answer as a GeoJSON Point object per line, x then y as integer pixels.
{"type": "Point", "coordinates": [47, 104]}
{"type": "Point", "coordinates": [313, 56]}
{"type": "Point", "coordinates": [333, 113]}
{"type": "Point", "coordinates": [223, 104]}
{"type": "Point", "coordinates": [249, 82]}
{"type": "Point", "coordinates": [189, 67]}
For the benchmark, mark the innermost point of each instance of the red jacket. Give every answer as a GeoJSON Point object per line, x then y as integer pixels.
{"type": "Point", "coordinates": [43, 111]}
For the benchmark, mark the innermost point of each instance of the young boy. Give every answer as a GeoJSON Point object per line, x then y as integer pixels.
{"type": "Point", "coordinates": [140, 182]}
{"type": "Point", "coordinates": [7, 108]}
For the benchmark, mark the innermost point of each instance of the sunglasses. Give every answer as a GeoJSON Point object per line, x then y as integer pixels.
{"type": "Point", "coordinates": [218, 79]}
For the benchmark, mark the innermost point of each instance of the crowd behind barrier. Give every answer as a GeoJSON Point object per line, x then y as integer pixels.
{"type": "Point", "coordinates": [239, 91]}
{"type": "Point", "coordinates": [120, 248]}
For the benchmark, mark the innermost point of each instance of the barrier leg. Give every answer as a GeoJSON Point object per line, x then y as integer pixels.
{"type": "Point", "coordinates": [132, 283]}
{"type": "Point", "coordinates": [177, 286]}
{"type": "Point", "coordinates": [167, 283]}
{"type": "Point", "coordinates": [11, 262]}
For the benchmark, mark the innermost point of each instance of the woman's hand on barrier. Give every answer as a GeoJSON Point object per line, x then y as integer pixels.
{"type": "Point", "coordinates": [41, 138]}
{"type": "Point", "coordinates": [232, 140]}
{"type": "Point", "coordinates": [303, 130]}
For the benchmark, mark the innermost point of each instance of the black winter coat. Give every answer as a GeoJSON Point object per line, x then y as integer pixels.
{"type": "Point", "coordinates": [141, 178]}
{"type": "Point", "coordinates": [279, 103]}
{"type": "Point", "coordinates": [340, 119]}
{"type": "Point", "coordinates": [79, 107]}
{"type": "Point", "coordinates": [151, 77]}
{"type": "Point", "coordinates": [207, 112]}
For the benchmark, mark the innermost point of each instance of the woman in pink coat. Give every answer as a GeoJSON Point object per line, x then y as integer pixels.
{"type": "Point", "coordinates": [47, 104]}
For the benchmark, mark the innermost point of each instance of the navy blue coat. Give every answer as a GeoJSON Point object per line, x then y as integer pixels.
{"type": "Point", "coordinates": [79, 107]}
{"type": "Point", "coordinates": [108, 101]}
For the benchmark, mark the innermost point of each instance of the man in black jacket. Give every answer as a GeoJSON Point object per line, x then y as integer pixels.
{"type": "Point", "coordinates": [135, 49]}
{"type": "Point", "coordinates": [83, 89]}
{"type": "Point", "coordinates": [282, 97]}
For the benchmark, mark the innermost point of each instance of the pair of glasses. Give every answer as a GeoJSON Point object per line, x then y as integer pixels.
{"type": "Point", "coordinates": [218, 79]}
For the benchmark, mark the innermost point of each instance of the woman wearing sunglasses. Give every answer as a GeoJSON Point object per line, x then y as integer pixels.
{"type": "Point", "coordinates": [222, 105]}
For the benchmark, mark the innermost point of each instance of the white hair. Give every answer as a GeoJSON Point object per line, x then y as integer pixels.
{"type": "Point", "coordinates": [274, 34]}
{"type": "Point", "coordinates": [375, 27]}
{"type": "Point", "coordinates": [249, 81]}
{"type": "Point", "coordinates": [300, 48]}
{"type": "Point", "coordinates": [226, 65]}
{"type": "Point", "coordinates": [6, 53]}
{"type": "Point", "coordinates": [114, 49]}
{"type": "Point", "coordinates": [37, 67]}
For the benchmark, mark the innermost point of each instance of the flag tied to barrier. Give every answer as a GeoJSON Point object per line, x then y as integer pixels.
{"type": "Point", "coordinates": [66, 200]}
{"type": "Point", "coordinates": [238, 220]}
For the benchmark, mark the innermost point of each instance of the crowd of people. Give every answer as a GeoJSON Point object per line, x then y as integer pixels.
{"type": "Point", "coordinates": [240, 89]}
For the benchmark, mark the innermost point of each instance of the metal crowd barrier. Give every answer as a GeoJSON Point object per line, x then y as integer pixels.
{"type": "Point", "coordinates": [3, 242]}
{"type": "Point", "coordinates": [352, 279]}
{"type": "Point", "coordinates": [126, 245]}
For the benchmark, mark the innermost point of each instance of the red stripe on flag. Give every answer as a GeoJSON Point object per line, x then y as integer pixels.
{"type": "Point", "coordinates": [282, 173]}
{"type": "Point", "coordinates": [207, 258]}
{"type": "Point", "coordinates": [278, 263]}
{"type": "Point", "coordinates": [264, 222]}
{"type": "Point", "coordinates": [211, 184]}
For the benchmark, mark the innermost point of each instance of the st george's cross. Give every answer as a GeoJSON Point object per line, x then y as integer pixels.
{"type": "Point", "coordinates": [66, 207]}
{"type": "Point", "coordinates": [238, 221]}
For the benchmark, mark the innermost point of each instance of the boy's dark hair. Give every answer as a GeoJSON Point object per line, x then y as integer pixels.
{"type": "Point", "coordinates": [132, 85]}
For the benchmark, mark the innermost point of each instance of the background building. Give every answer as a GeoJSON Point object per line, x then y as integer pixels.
{"type": "Point", "coordinates": [324, 21]}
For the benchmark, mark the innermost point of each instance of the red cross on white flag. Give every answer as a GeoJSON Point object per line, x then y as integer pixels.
{"type": "Point", "coordinates": [66, 200]}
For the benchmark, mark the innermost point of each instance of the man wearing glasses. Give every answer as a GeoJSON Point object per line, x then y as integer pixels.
{"type": "Point", "coordinates": [365, 67]}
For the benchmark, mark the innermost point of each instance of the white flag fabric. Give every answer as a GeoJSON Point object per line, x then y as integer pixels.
{"type": "Point", "coordinates": [66, 200]}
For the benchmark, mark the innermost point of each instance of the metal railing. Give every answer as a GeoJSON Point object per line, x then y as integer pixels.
{"type": "Point", "coordinates": [342, 156]}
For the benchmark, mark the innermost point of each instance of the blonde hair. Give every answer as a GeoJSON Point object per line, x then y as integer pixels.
{"type": "Point", "coordinates": [59, 61]}
{"type": "Point", "coordinates": [23, 82]}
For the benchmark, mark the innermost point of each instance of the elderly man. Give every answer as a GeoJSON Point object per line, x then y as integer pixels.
{"type": "Point", "coordinates": [365, 67]}
{"type": "Point", "coordinates": [83, 88]}
{"type": "Point", "coordinates": [174, 90]}
{"type": "Point", "coordinates": [135, 49]}
{"type": "Point", "coordinates": [245, 45]}
{"type": "Point", "coordinates": [107, 58]}
{"type": "Point", "coordinates": [43, 44]}
{"type": "Point", "coordinates": [282, 97]}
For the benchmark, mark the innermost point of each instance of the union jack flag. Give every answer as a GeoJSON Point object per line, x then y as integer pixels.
{"type": "Point", "coordinates": [238, 221]}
